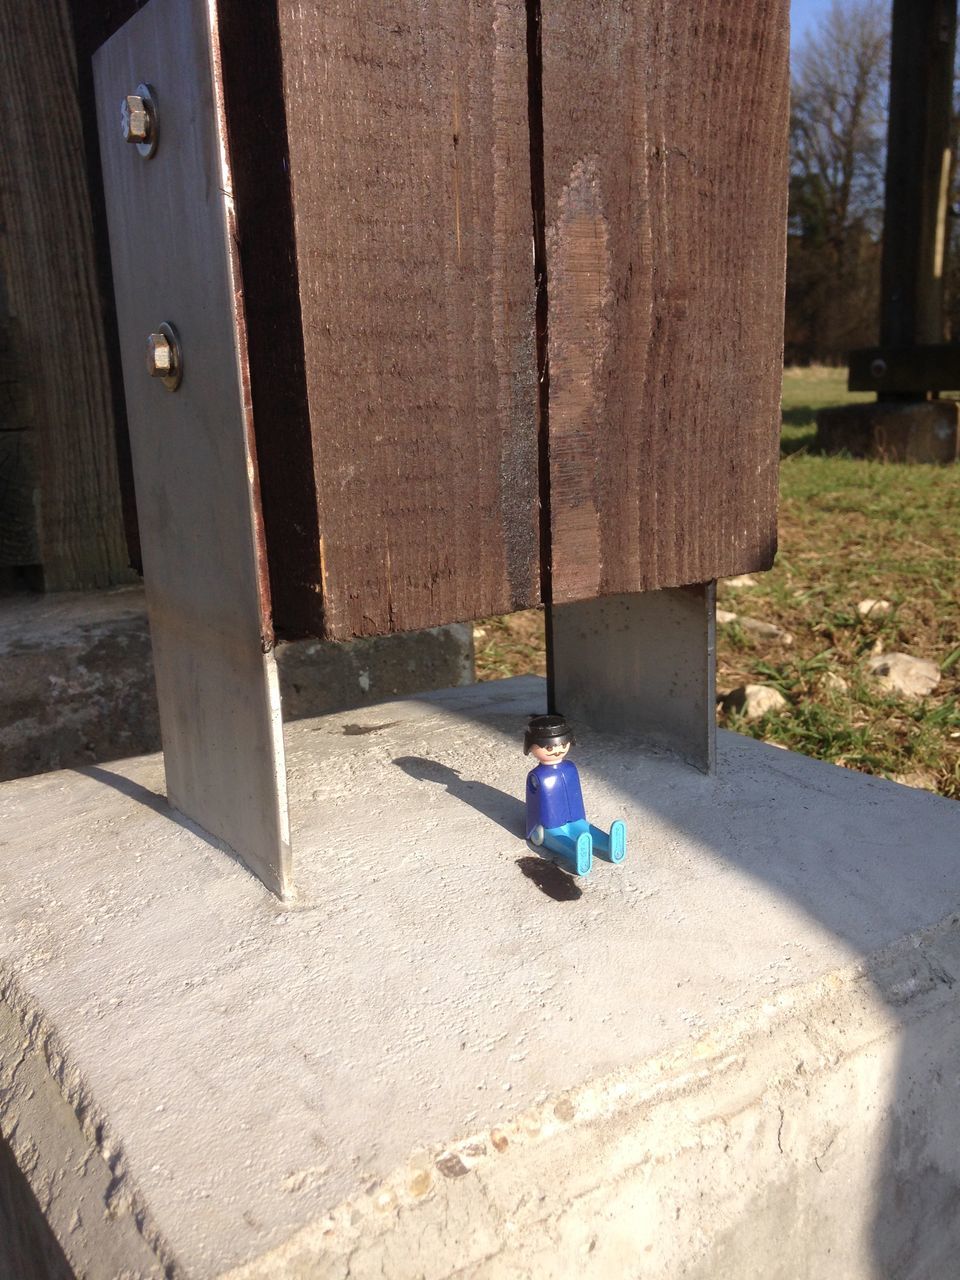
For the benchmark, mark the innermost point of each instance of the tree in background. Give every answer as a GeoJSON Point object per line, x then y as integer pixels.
{"type": "Point", "coordinates": [838, 132]}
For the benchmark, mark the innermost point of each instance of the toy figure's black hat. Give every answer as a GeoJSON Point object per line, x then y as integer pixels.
{"type": "Point", "coordinates": [547, 731]}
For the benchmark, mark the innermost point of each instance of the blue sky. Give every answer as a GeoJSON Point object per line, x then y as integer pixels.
{"type": "Point", "coordinates": [803, 15]}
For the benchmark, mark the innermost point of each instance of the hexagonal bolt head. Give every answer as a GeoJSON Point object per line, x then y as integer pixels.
{"type": "Point", "coordinates": [136, 120]}
{"type": "Point", "coordinates": [161, 357]}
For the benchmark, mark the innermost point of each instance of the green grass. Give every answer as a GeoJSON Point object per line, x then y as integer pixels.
{"type": "Point", "coordinates": [849, 529]}
{"type": "Point", "coordinates": [804, 392]}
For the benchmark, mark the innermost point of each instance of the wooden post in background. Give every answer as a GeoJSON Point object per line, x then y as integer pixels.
{"type": "Point", "coordinates": [918, 172]}
{"type": "Point", "coordinates": [59, 486]}
{"type": "Point", "coordinates": [912, 365]}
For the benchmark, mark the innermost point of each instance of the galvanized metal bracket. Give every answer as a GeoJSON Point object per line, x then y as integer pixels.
{"type": "Point", "coordinates": [642, 663]}
{"type": "Point", "coordinates": [173, 247]}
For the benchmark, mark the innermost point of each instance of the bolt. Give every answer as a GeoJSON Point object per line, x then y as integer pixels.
{"type": "Point", "coordinates": [160, 357]}
{"type": "Point", "coordinates": [135, 119]}
{"type": "Point", "coordinates": [138, 120]}
{"type": "Point", "coordinates": [878, 368]}
{"type": "Point", "coordinates": [163, 357]}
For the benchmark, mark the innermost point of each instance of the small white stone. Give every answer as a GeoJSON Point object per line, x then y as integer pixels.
{"type": "Point", "coordinates": [914, 778]}
{"type": "Point", "coordinates": [870, 608]}
{"type": "Point", "coordinates": [755, 700]}
{"type": "Point", "coordinates": [755, 626]}
{"type": "Point", "coordinates": [765, 630]}
{"type": "Point", "coordinates": [836, 683]}
{"type": "Point", "coordinates": [742, 580]}
{"type": "Point", "coordinates": [905, 675]}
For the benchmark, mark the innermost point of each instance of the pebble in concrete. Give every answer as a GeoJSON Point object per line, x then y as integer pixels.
{"type": "Point", "coordinates": [902, 674]}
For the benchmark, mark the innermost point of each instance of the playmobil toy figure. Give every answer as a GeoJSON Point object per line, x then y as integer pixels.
{"type": "Point", "coordinates": [555, 814]}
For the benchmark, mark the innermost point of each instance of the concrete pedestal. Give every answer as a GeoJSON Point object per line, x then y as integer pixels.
{"type": "Point", "coordinates": [925, 431]}
{"type": "Point", "coordinates": [76, 677]}
{"type": "Point", "coordinates": [734, 1055]}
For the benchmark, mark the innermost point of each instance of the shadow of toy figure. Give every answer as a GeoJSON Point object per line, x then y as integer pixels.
{"type": "Point", "coordinates": [555, 815]}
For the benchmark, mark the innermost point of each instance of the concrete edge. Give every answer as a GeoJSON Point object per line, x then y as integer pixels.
{"type": "Point", "coordinates": [496, 1201]}
{"type": "Point", "coordinates": [66, 1150]}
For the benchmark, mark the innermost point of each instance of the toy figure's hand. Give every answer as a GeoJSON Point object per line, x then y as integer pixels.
{"type": "Point", "coordinates": [537, 835]}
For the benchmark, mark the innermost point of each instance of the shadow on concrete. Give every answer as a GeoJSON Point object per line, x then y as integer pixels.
{"type": "Point", "coordinates": [28, 1247]}
{"type": "Point", "coordinates": [870, 861]}
{"type": "Point", "coordinates": [157, 803]}
{"type": "Point", "coordinates": [550, 878]}
{"type": "Point", "coordinates": [507, 811]}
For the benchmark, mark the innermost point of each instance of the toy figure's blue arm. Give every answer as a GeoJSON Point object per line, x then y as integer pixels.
{"type": "Point", "coordinates": [533, 802]}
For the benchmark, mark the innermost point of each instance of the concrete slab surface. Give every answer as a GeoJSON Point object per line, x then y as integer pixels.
{"type": "Point", "coordinates": [244, 1066]}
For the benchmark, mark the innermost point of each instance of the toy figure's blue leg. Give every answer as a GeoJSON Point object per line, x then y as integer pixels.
{"type": "Point", "coordinates": [612, 847]}
{"type": "Point", "coordinates": [573, 845]}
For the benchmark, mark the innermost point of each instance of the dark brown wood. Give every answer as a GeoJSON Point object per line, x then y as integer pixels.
{"type": "Point", "coordinates": [48, 263]}
{"type": "Point", "coordinates": [256, 120]}
{"type": "Point", "coordinates": [93, 23]}
{"type": "Point", "coordinates": [664, 142]}
{"type": "Point", "coordinates": [410, 180]}
{"type": "Point", "coordinates": [905, 369]}
{"type": "Point", "coordinates": [391, 172]}
{"type": "Point", "coordinates": [19, 547]}
{"type": "Point", "coordinates": [918, 170]}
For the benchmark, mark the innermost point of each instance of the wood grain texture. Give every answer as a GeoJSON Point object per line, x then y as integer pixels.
{"type": "Point", "coordinates": [48, 263]}
{"type": "Point", "coordinates": [664, 143]}
{"type": "Point", "coordinates": [257, 127]}
{"type": "Point", "coordinates": [18, 524]}
{"type": "Point", "coordinates": [410, 179]}
{"type": "Point", "coordinates": [94, 21]}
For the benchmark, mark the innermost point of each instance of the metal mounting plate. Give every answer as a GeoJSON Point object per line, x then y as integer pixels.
{"type": "Point", "coordinates": [644, 663]}
{"type": "Point", "coordinates": [172, 241]}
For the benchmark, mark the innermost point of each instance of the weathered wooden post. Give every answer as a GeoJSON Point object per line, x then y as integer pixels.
{"type": "Point", "coordinates": [61, 523]}
{"type": "Point", "coordinates": [414, 423]}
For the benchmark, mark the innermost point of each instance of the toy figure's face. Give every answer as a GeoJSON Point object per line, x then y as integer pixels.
{"type": "Point", "coordinates": [550, 755]}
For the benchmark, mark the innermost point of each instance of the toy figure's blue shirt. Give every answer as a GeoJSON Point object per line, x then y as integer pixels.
{"type": "Point", "coordinates": [553, 796]}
